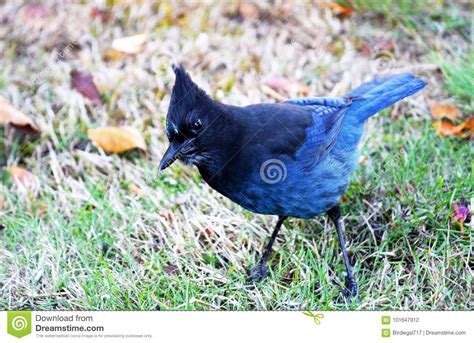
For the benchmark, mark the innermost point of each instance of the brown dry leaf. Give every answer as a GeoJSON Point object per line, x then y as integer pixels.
{"type": "Point", "coordinates": [439, 111]}
{"type": "Point", "coordinates": [340, 10]}
{"type": "Point", "coordinates": [171, 269]}
{"type": "Point", "coordinates": [117, 139]}
{"type": "Point", "coordinates": [83, 82]}
{"type": "Point", "coordinates": [103, 14]}
{"type": "Point", "coordinates": [16, 118]}
{"type": "Point", "coordinates": [281, 83]}
{"type": "Point", "coordinates": [24, 179]}
{"type": "Point", "coordinates": [130, 45]}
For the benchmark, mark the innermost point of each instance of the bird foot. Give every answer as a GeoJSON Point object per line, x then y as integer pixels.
{"type": "Point", "coordinates": [350, 292]}
{"type": "Point", "coordinates": [258, 273]}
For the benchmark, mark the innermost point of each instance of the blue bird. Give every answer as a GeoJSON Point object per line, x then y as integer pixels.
{"type": "Point", "coordinates": [290, 159]}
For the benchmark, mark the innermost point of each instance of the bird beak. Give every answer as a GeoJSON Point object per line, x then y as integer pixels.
{"type": "Point", "coordinates": [171, 154]}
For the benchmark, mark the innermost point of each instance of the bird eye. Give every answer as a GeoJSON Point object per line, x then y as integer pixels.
{"type": "Point", "coordinates": [197, 125]}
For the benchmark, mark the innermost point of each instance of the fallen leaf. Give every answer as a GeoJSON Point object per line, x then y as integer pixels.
{"type": "Point", "coordinates": [130, 45]}
{"type": "Point", "coordinates": [113, 55]}
{"type": "Point", "coordinates": [14, 117]}
{"type": "Point", "coordinates": [104, 14]}
{"type": "Point", "coordinates": [446, 127]}
{"type": "Point", "coordinates": [36, 16]}
{"type": "Point", "coordinates": [469, 124]}
{"type": "Point", "coordinates": [36, 11]}
{"type": "Point", "coordinates": [270, 92]}
{"type": "Point", "coordinates": [461, 211]}
{"type": "Point", "coordinates": [171, 269]}
{"type": "Point", "coordinates": [25, 180]}
{"type": "Point", "coordinates": [136, 190]}
{"type": "Point", "coordinates": [208, 231]}
{"type": "Point", "coordinates": [281, 83]}
{"type": "Point", "coordinates": [340, 10]}
{"type": "Point", "coordinates": [83, 82]}
{"type": "Point", "coordinates": [385, 45]}
{"type": "Point", "coordinates": [117, 139]}
{"type": "Point", "coordinates": [439, 111]}
{"type": "Point", "coordinates": [249, 12]}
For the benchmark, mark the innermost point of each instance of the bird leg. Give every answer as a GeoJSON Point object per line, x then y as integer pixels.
{"type": "Point", "coordinates": [351, 286]}
{"type": "Point", "coordinates": [259, 272]}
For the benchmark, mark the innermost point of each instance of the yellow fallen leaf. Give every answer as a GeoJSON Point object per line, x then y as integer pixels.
{"type": "Point", "coordinates": [130, 45]}
{"type": "Point", "coordinates": [16, 118]}
{"type": "Point", "coordinates": [117, 139]}
{"type": "Point", "coordinates": [439, 111]}
{"type": "Point", "coordinates": [113, 55]}
{"type": "Point", "coordinates": [25, 180]}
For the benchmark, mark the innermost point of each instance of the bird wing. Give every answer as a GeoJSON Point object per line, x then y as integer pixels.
{"type": "Point", "coordinates": [327, 114]}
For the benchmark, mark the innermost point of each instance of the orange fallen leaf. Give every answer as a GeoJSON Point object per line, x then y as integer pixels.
{"type": "Point", "coordinates": [281, 83]}
{"type": "Point", "coordinates": [136, 190]}
{"type": "Point", "coordinates": [24, 179]}
{"type": "Point", "coordinates": [439, 111]}
{"type": "Point", "coordinates": [117, 139]}
{"type": "Point", "coordinates": [12, 116]}
{"type": "Point", "coordinates": [130, 45]}
{"type": "Point", "coordinates": [469, 124]}
{"type": "Point", "coordinates": [446, 127]}
{"type": "Point", "coordinates": [340, 10]}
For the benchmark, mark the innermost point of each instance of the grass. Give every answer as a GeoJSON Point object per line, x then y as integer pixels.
{"type": "Point", "coordinates": [407, 254]}
{"type": "Point", "coordinates": [459, 77]}
{"type": "Point", "coordinates": [86, 240]}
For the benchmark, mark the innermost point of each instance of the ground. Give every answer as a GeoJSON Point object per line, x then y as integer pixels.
{"type": "Point", "coordinates": [110, 231]}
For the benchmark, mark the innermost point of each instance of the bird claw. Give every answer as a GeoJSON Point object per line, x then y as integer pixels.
{"type": "Point", "coordinates": [349, 293]}
{"type": "Point", "coordinates": [351, 290]}
{"type": "Point", "coordinates": [258, 273]}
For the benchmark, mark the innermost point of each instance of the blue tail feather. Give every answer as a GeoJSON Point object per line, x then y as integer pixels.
{"type": "Point", "coordinates": [374, 96]}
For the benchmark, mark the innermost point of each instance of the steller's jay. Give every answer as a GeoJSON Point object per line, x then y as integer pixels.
{"type": "Point", "coordinates": [290, 159]}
